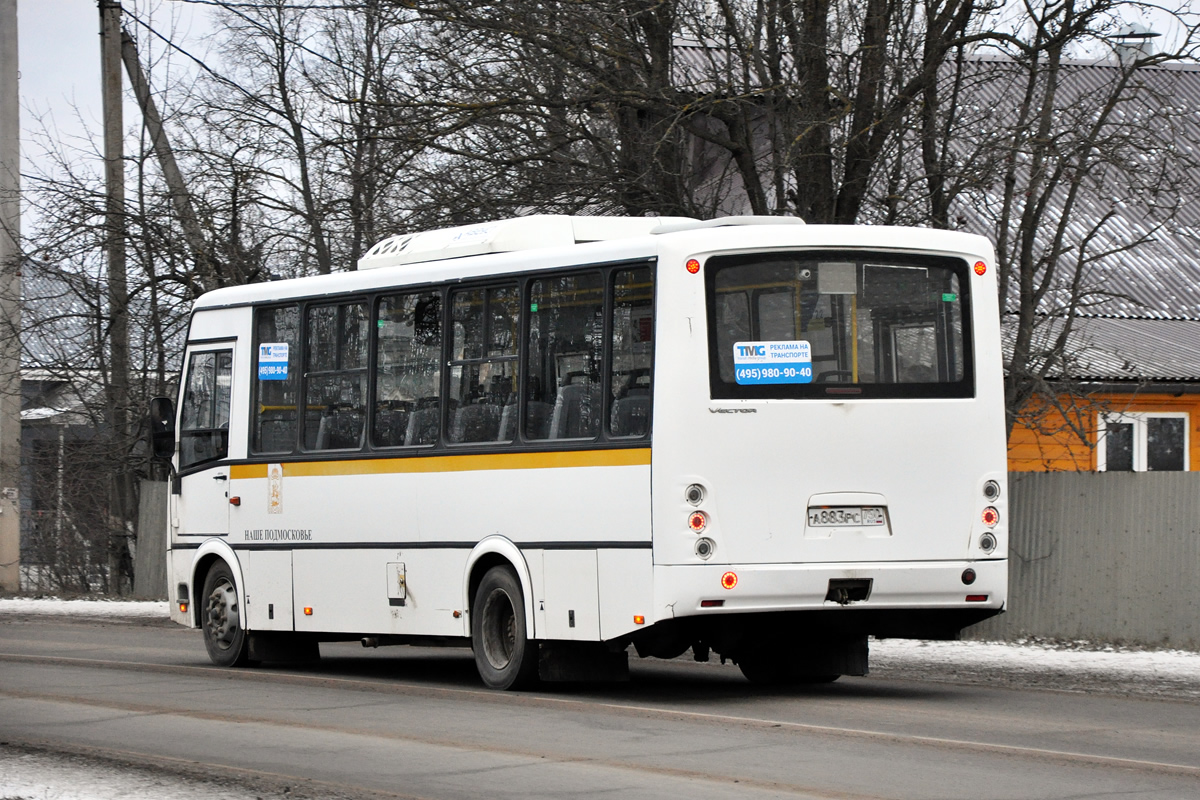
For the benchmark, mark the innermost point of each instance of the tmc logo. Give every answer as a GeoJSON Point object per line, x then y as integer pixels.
{"type": "Point", "coordinates": [751, 350]}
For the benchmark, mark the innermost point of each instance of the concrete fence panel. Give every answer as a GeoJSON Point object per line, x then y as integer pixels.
{"type": "Point", "coordinates": [150, 561]}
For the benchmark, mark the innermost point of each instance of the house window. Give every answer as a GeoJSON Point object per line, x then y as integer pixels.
{"type": "Point", "coordinates": [1142, 442]}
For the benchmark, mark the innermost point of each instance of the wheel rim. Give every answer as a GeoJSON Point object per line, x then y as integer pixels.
{"type": "Point", "coordinates": [221, 615]}
{"type": "Point", "coordinates": [499, 629]}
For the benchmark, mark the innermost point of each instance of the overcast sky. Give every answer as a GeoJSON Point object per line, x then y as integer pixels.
{"type": "Point", "coordinates": [59, 45]}
{"type": "Point", "coordinates": [60, 60]}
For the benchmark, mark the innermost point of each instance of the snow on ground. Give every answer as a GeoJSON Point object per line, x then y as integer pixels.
{"type": "Point", "coordinates": [53, 606]}
{"type": "Point", "coordinates": [35, 775]}
{"type": "Point", "coordinates": [1062, 666]}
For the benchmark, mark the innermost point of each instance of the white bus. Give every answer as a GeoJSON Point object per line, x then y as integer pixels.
{"type": "Point", "coordinates": [552, 438]}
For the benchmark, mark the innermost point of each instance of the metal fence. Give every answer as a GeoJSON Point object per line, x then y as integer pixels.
{"type": "Point", "coordinates": [1111, 557]}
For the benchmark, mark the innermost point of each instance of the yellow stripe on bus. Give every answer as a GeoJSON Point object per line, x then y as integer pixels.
{"type": "Point", "coordinates": [464, 463]}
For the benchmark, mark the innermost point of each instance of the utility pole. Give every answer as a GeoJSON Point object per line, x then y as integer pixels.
{"type": "Point", "coordinates": [10, 302]}
{"type": "Point", "coordinates": [118, 291]}
{"type": "Point", "coordinates": [176, 188]}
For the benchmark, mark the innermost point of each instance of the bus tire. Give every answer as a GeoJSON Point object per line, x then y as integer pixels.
{"type": "Point", "coordinates": [504, 654]}
{"type": "Point", "coordinates": [221, 618]}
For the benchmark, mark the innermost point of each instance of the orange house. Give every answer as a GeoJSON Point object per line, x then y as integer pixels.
{"type": "Point", "coordinates": [1141, 432]}
{"type": "Point", "coordinates": [1136, 406]}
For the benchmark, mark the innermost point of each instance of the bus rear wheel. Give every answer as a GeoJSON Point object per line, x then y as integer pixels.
{"type": "Point", "coordinates": [221, 618]}
{"type": "Point", "coordinates": [504, 655]}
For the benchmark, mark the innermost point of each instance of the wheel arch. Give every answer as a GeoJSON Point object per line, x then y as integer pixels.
{"type": "Point", "coordinates": [498, 551]}
{"type": "Point", "coordinates": [210, 552]}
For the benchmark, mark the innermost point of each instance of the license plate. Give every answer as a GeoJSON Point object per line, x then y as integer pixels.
{"type": "Point", "coordinates": [845, 517]}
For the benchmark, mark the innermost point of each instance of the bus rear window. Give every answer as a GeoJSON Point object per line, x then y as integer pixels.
{"type": "Point", "coordinates": [836, 324]}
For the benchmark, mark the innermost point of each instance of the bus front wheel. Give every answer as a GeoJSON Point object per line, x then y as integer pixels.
{"type": "Point", "coordinates": [504, 654]}
{"type": "Point", "coordinates": [221, 618]}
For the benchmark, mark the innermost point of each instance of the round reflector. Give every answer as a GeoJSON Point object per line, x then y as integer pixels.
{"type": "Point", "coordinates": [980, 267]}
{"type": "Point", "coordinates": [990, 516]}
{"type": "Point", "coordinates": [698, 521]}
{"type": "Point", "coordinates": [729, 580]}
{"type": "Point", "coordinates": [693, 266]}
{"type": "Point", "coordinates": [968, 576]}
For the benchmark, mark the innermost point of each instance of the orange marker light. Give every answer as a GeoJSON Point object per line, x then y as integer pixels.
{"type": "Point", "coordinates": [692, 266]}
{"type": "Point", "coordinates": [183, 608]}
{"type": "Point", "coordinates": [308, 611]}
{"type": "Point", "coordinates": [980, 268]}
{"type": "Point", "coordinates": [638, 619]}
{"type": "Point", "coordinates": [729, 580]}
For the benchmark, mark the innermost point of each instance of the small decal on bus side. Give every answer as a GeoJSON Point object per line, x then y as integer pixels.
{"type": "Point", "coordinates": [757, 363]}
{"type": "Point", "coordinates": [275, 488]}
{"type": "Point", "coordinates": [733, 411]}
{"type": "Point", "coordinates": [273, 361]}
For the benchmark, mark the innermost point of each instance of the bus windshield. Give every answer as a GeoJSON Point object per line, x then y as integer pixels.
{"type": "Point", "coordinates": [821, 324]}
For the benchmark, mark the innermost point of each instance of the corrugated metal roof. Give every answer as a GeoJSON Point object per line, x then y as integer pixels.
{"type": "Point", "coordinates": [1140, 320]}
{"type": "Point", "coordinates": [1145, 247]}
{"type": "Point", "coordinates": [1109, 349]}
{"type": "Point", "coordinates": [1143, 261]}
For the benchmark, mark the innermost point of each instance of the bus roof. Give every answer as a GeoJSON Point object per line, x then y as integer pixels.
{"type": "Point", "coordinates": [545, 241]}
{"type": "Point", "coordinates": [507, 236]}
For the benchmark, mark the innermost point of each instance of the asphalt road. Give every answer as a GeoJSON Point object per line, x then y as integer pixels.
{"type": "Point", "coordinates": [415, 723]}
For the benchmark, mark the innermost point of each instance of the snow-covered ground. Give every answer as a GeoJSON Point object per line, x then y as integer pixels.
{"type": "Point", "coordinates": [1062, 666]}
{"type": "Point", "coordinates": [53, 606]}
{"type": "Point", "coordinates": [37, 775]}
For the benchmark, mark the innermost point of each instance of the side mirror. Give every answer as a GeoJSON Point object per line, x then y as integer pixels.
{"type": "Point", "coordinates": [162, 428]}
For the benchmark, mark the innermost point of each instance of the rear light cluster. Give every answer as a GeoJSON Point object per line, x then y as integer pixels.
{"type": "Point", "coordinates": [697, 521]}
{"type": "Point", "coordinates": [990, 517]}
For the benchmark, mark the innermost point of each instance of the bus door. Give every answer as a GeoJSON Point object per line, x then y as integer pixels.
{"type": "Point", "coordinates": [201, 505]}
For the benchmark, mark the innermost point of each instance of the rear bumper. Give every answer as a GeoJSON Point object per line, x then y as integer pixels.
{"type": "Point", "coordinates": [682, 591]}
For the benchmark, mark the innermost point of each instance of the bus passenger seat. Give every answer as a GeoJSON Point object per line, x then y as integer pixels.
{"type": "Point", "coordinates": [476, 423]}
{"type": "Point", "coordinates": [537, 419]}
{"type": "Point", "coordinates": [422, 426]}
{"type": "Point", "coordinates": [575, 411]}
{"type": "Point", "coordinates": [630, 415]}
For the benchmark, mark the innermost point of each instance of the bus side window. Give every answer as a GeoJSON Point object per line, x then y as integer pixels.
{"type": "Point", "coordinates": [335, 362]}
{"type": "Point", "coordinates": [483, 365]}
{"type": "Point", "coordinates": [563, 393]}
{"type": "Point", "coordinates": [632, 352]}
{"type": "Point", "coordinates": [408, 373]}
{"type": "Point", "coordinates": [275, 380]}
{"type": "Point", "coordinates": [204, 415]}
